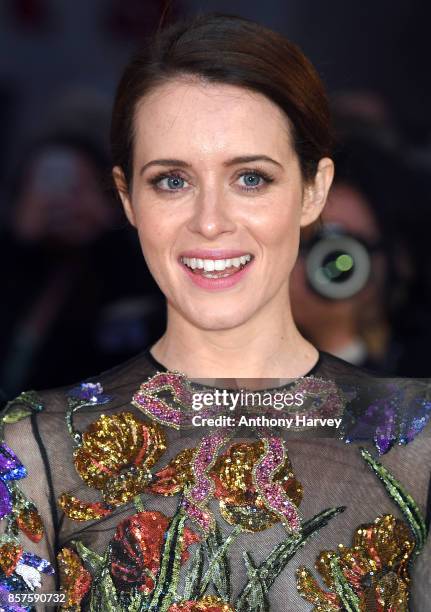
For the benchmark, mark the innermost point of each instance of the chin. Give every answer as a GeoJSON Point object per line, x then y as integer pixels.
{"type": "Point", "coordinates": [214, 320]}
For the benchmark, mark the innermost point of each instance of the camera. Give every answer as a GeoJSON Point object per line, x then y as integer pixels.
{"type": "Point", "coordinates": [337, 263]}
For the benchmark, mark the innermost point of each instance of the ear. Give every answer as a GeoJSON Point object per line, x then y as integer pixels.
{"type": "Point", "coordinates": [316, 192]}
{"type": "Point", "coordinates": [123, 192]}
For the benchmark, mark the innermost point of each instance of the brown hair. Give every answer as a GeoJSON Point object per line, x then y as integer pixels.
{"type": "Point", "coordinates": [232, 50]}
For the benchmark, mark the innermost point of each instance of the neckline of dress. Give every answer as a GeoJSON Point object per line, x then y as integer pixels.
{"type": "Point", "coordinates": [161, 368]}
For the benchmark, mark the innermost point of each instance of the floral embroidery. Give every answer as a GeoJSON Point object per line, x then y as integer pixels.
{"type": "Point", "coordinates": [15, 563]}
{"type": "Point", "coordinates": [13, 502]}
{"type": "Point", "coordinates": [136, 549]}
{"type": "Point", "coordinates": [255, 487]}
{"type": "Point", "coordinates": [397, 414]}
{"type": "Point", "coordinates": [272, 492]}
{"type": "Point", "coordinates": [233, 474]}
{"type": "Point", "coordinates": [176, 476]}
{"type": "Point", "coordinates": [207, 604]}
{"type": "Point", "coordinates": [115, 457]}
{"type": "Point", "coordinates": [10, 553]}
{"type": "Point", "coordinates": [375, 567]}
{"type": "Point", "coordinates": [82, 396]}
{"type": "Point", "coordinates": [19, 570]}
{"type": "Point", "coordinates": [74, 578]}
{"type": "Point", "coordinates": [89, 392]}
{"type": "Point", "coordinates": [201, 490]}
{"type": "Point", "coordinates": [11, 468]}
{"type": "Point", "coordinates": [151, 400]}
{"type": "Point", "coordinates": [240, 501]}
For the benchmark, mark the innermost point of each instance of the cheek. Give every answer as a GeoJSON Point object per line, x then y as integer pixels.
{"type": "Point", "coordinates": [153, 235]}
{"type": "Point", "coordinates": [279, 229]}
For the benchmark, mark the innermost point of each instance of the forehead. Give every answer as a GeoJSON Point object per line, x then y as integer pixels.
{"type": "Point", "coordinates": [192, 117]}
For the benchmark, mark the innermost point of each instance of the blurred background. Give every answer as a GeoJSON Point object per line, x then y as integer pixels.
{"type": "Point", "coordinates": [76, 297]}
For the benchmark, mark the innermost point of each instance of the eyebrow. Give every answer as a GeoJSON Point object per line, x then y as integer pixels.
{"type": "Point", "coordinates": [242, 159]}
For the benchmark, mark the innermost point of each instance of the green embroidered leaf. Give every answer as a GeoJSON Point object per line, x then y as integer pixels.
{"type": "Point", "coordinates": [194, 575]}
{"type": "Point", "coordinates": [404, 500]}
{"type": "Point", "coordinates": [139, 504]}
{"type": "Point", "coordinates": [16, 413]}
{"type": "Point", "coordinates": [30, 398]}
{"type": "Point", "coordinates": [92, 560]}
{"type": "Point", "coordinates": [277, 560]}
{"type": "Point", "coordinates": [348, 597]}
{"type": "Point", "coordinates": [19, 408]}
{"type": "Point", "coordinates": [168, 575]}
{"type": "Point", "coordinates": [215, 560]}
{"type": "Point", "coordinates": [103, 594]}
{"type": "Point", "coordinates": [258, 593]}
{"type": "Point", "coordinates": [221, 576]}
{"type": "Point", "coordinates": [133, 601]}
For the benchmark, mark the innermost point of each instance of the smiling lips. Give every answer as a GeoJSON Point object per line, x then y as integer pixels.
{"type": "Point", "coordinates": [216, 268]}
{"type": "Point", "coordinates": [213, 271]}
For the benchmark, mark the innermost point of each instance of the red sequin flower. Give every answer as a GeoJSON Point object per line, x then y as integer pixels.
{"type": "Point", "coordinates": [136, 550]}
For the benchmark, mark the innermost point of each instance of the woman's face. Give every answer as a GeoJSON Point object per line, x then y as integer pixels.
{"type": "Point", "coordinates": [218, 200]}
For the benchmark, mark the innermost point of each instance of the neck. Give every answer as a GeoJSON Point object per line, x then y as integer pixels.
{"type": "Point", "coordinates": [267, 346]}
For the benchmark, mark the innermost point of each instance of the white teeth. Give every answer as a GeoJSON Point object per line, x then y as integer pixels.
{"type": "Point", "coordinates": [219, 264]}
{"type": "Point", "coordinates": [209, 265]}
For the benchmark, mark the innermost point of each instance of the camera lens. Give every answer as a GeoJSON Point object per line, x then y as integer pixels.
{"type": "Point", "coordinates": [338, 266]}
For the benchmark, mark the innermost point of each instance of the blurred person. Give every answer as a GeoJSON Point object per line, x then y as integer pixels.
{"type": "Point", "coordinates": [364, 204]}
{"type": "Point", "coordinates": [64, 305]}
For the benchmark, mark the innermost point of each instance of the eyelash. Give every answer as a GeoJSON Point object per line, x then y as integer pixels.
{"type": "Point", "coordinates": [253, 171]}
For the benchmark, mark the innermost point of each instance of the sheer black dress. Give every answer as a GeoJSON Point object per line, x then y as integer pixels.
{"type": "Point", "coordinates": [110, 504]}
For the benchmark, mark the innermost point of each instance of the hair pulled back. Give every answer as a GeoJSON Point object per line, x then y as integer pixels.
{"type": "Point", "coordinates": [232, 50]}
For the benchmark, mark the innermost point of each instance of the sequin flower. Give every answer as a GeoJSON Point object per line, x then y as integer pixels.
{"type": "Point", "coordinates": [75, 580]}
{"type": "Point", "coordinates": [240, 501]}
{"type": "Point", "coordinates": [176, 476]}
{"type": "Point", "coordinates": [210, 603]}
{"type": "Point", "coordinates": [115, 457]}
{"type": "Point", "coordinates": [374, 568]}
{"type": "Point", "coordinates": [11, 468]}
{"type": "Point", "coordinates": [136, 550]}
{"type": "Point", "coordinates": [4, 597]}
{"type": "Point", "coordinates": [89, 392]}
{"type": "Point", "coordinates": [14, 561]}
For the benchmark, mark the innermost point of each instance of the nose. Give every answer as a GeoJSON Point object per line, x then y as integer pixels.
{"type": "Point", "coordinates": [211, 215]}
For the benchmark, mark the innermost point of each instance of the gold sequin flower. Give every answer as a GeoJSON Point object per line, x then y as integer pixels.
{"type": "Point", "coordinates": [375, 568]}
{"type": "Point", "coordinates": [115, 457]}
{"type": "Point", "coordinates": [75, 580]}
{"type": "Point", "coordinates": [240, 501]}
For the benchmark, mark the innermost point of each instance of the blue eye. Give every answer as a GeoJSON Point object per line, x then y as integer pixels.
{"type": "Point", "coordinates": [171, 183]}
{"type": "Point", "coordinates": [251, 180]}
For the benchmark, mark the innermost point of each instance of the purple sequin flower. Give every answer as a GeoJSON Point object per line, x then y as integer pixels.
{"type": "Point", "coordinates": [396, 418]}
{"type": "Point", "coordinates": [11, 468]}
{"type": "Point", "coordinates": [5, 604]}
{"type": "Point", "coordinates": [90, 392]}
{"type": "Point", "coordinates": [32, 560]}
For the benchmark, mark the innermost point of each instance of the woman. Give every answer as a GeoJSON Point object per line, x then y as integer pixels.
{"type": "Point", "coordinates": [220, 143]}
